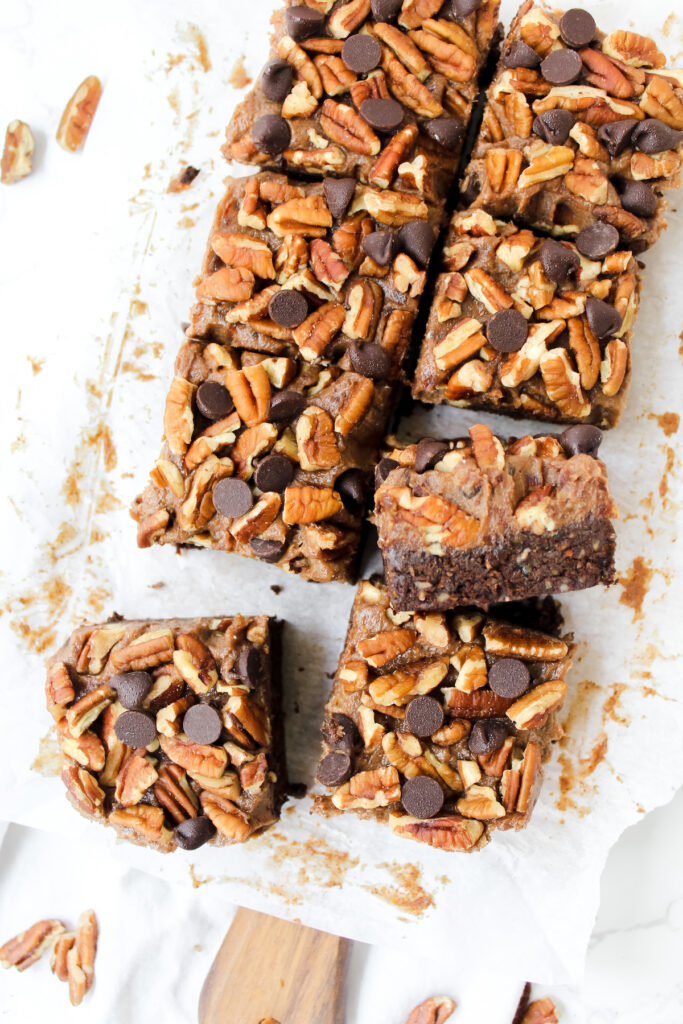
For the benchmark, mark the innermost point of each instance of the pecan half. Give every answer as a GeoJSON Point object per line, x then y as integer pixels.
{"type": "Point", "coordinates": [613, 367]}
{"type": "Point", "coordinates": [78, 114]}
{"type": "Point", "coordinates": [563, 384]}
{"type": "Point", "coordinates": [175, 794]}
{"type": "Point", "coordinates": [383, 171]}
{"type": "Point", "coordinates": [17, 155]}
{"type": "Point", "coordinates": [343, 125]}
{"type": "Point", "coordinates": [635, 50]}
{"type": "Point", "coordinates": [335, 75]}
{"type": "Point", "coordinates": [244, 252]}
{"type": "Point", "coordinates": [195, 663]}
{"type": "Point", "coordinates": [59, 690]}
{"type": "Point", "coordinates": [83, 713]}
{"type": "Point", "coordinates": [250, 391]}
{"type": "Point", "coordinates": [310, 504]}
{"type": "Point", "coordinates": [435, 1010]}
{"type": "Point", "coordinates": [80, 958]}
{"type": "Point", "coordinates": [448, 833]}
{"type": "Point", "coordinates": [86, 749]}
{"type": "Point", "coordinates": [382, 648]}
{"type": "Point", "coordinates": [503, 168]}
{"type": "Point", "coordinates": [145, 820]}
{"type": "Point", "coordinates": [516, 642]}
{"type": "Point", "coordinates": [58, 954]}
{"type": "Point", "coordinates": [26, 948]}
{"type": "Point", "coordinates": [257, 520]}
{"type": "Point", "coordinates": [230, 821]}
{"type": "Point", "coordinates": [178, 416]}
{"type": "Point", "coordinates": [367, 790]}
{"type": "Point", "coordinates": [315, 440]}
{"type": "Point", "coordinates": [358, 401]}
{"type": "Point", "coordinates": [148, 650]}
{"type": "Point", "coordinates": [480, 803]}
{"type": "Point", "coordinates": [83, 789]}
{"type": "Point", "coordinates": [246, 722]}
{"type": "Point", "coordinates": [307, 216]}
{"type": "Point", "coordinates": [136, 776]}
{"type": "Point", "coordinates": [195, 757]}
{"type": "Point", "coordinates": [317, 330]}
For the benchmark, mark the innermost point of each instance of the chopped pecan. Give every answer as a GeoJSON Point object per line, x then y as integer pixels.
{"type": "Point", "coordinates": [408, 278]}
{"type": "Point", "coordinates": [84, 790]}
{"type": "Point", "coordinates": [227, 284]}
{"type": "Point", "coordinates": [613, 367]}
{"type": "Point", "coordinates": [167, 475]}
{"type": "Point", "coordinates": [145, 820]}
{"type": "Point", "coordinates": [18, 152]}
{"type": "Point", "coordinates": [78, 114]}
{"type": "Point", "coordinates": [625, 222]}
{"type": "Point", "coordinates": [414, 174]}
{"type": "Point", "coordinates": [343, 125]}
{"type": "Point", "coordinates": [306, 70]}
{"type": "Point", "coordinates": [563, 384]}
{"type": "Point", "coordinates": [364, 300]}
{"type": "Point", "coordinates": [358, 401]}
{"type": "Point", "coordinates": [317, 330]}
{"type": "Point", "coordinates": [327, 266]}
{"type": "Point", "coordinates": [369, 789]}
{"type": "Point", "coordinates": [451, 733]}
{"type": "Point", "coordinates": [587, 181]}
{"type": "Point", "coordinates": [310, 504]}
{"type": "Point", "coordinates": [382, 648]}
{"type": "Point", "coordinates": [251, 443]}
{"type": "Point", "coordinates": [470, 662]}
{"type": "Point", "coordinates": [329, 159]}
{"type": "Point", "coordinates": [169, 718]}
{"type": "Point", "coordinates": [401, 686]}
{"type": "Point", "coordinates": [219, 435]}
{"type": "Point", "coordinates": [178, 416]}
{"type": "Point", "coordinates": [93, 655]}
{"type": "Point", "coordinates": [404, 48]}
{"type": "Point", "coordinates": [86, 749]}
{"type": "Point", "coordinates": [487, 449]}
{"type": "Point", "coordinates": [59, 690]}
{"type": "Point", "coordinates": [486, 290]}
{"type": "Point", "coordinates": [480, 803]}
{"type": "Point", "coordinates": [604, 74]}
{"type": "Point", "coordinates": [245, 252]}
{"type": "Point", "coordinates": [353, 676]}
{"type": "Point", "coordinates": [81, 715]}
{"type": "Point", "coordinates": [516, 642]}
{"type": "Point", "coordinates": [503, 167]}
{"type": "Point", "coordinates": [335, 75]}
{"type": "Point", "coordinates": [250, 391]}
{"type": "Point", "coordinates": [663, 165]}
{"type": "Point", "coordinates": [408, 89]}
{"type": "Point", "coordinates": [347, 18]}
{"type": "Point", "coordinates": [461, 342]}
{"type": "Point", "coordinates": [414, 12]}
{"type": "Point", "coordinates": [531, 767]}
{"type": "Point", "coordinates": [315, 439]}
{"type": "Point", "coordinates": [253, 774]}
{"type": "Point", "coordinates": [633, 49]}
{"type": "Point", "coordinates": [662, 101]}
{"type": "Point", "coordinates": [26, 948]}
{"type": "Point", "coordinates": [251, 213]}
{"type": "Point", "coordinates": [195, 663]}
{"type": "Point", "coordinates": [195, 757]}
{"type": "Point", "coordinates": [175, 794]}
{"type": "Point", "coordinates": [230, 821]}
{"type": "Point", "coordinates": [552, 162]}
{"type": "Point", "coordinates": [257, 520]}
{"type": "Point", "coordinates": [514, 249]}
{"type": "Point", "coordinates": [448, 833]}
{"type": "Point", "coordinates": [246, 722]}
{"type": "Point", "coordinates": [300, 102]}
{"type": "Point", "coordinates": [479, 703]}
{"type": "Point", "coordinates": [59, 952]}
{"type": "Point", "coordinates": [301, 216]}
{"type": "Point", "coordinates": [586, 349]}
{"type": "Point", "coordinates": [394, 208]}
{"type": "Point", "coordinates": [136, 776]}
{"type": "Point", "coordinates": [374, 87]}
{"type": "Point", "coordinates": [383, 171]}
{"type": "Point", "coordinates": [151, 648]}
{"type": "Point", "coordinates": [198, 509]}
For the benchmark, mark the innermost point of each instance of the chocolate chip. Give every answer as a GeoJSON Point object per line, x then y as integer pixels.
{"type": "Point", "coordinates": [371, 361]}
{"type": "Point", "coordinates": [383, 469]}
{"type": "Point", "coordinates": [288, 308]}
{"type": "Point", "coordinates": [276, 80]}
{"type": "Point", "coordinates": [471, 188]}
{"type": "Point", "coordinates": [271, 134]}
{"type": "Point", "coordinates": [487, 735]}
{"type": "Point", "coordinates": [338, 195]}
{"type": "Point", "coordinates": [507, 330]}
{"type": "Point", "coordinates": [135, 729]}
{"type": "Point", "coordinates": [558, 261]}
{"type": "Point", "coordinates": [597, 241]}
{"type": "Point", "coordinates": [286, 405]}
{"type": "Point", "coordinates": [554, 126]}
{"type": "Point", "coordinates": [301, 22]}
{"type": "Point", "coordinates": [340, 732]}
{"type": "Point", "coordinates": [616, 135]}
{"type": "Point", "coordinates": [274, 473]}
{"type": "Point", "coordinates": [521, 55]}
{"type": "Point", "coordinates": [422, 797]}
{"type": "Point", "coordinates": [202, 724]}
{"type": "Point", "coordinates": [447, 132]}
{"type": "Point", "coordinates": [194, 832]}
{"type": "Point", "coordinates": [418, 238]}
{"type": "Point", "coordinates": [132, 688]}
{"type": "Point", "coordinates": [603, 319]}
{"type": "Point", "coordinates": [424, 715]}
{"type": "Point", "coordinates": [350, 487]}
{"type": "Point", "coordinates": [250, 666]}
{"type": "Point", "coordinates": [653, 136]}
{"type": "Point", "coordinates": [384, 115]}
{"type": "Point", "coordinates": [334, 768]}
{"type": "Point", "coordinates": [213, 400]}
{"type": "Point", "coordinates": [381, 246]}
{"type": "Point", "coordinates": [561, 67]}
{"type": "Point", "coordinates": [267, 550]}
{"type": "Point", "coordinates": [582, 439]}
{"type": "Point", "coordinates": [232, 497]}
{"type": "Point", "coordinates": [461, 8]}
{"type": "Point", "coordinates": [428, 452]}
{"type": "Point", "coordinates": [577, 27]}
{"type": "Point", "coordinates": [638, 198]}
{"type": "Point", "coordinates": [361, 53]}
{"type": "Point", "coordinates": [386, 10]}
{"type": "Point", "coordinates": [509, 677]}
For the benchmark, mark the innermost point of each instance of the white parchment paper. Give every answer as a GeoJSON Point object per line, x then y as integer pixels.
{"type": "Point", "coordinates": [96, 264]}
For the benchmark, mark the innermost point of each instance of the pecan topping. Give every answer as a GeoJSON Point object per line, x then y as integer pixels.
{"type": "Point", "coordinates": [250, 391]}
{"type": "Point", "coordinates": [327, 266]}
{"type": "Point", "coordinates": [86, 749]}
{"type": "Point", "coordinates": [174, 793]}
{"type": "Point", "coordinates": [347, 18]}
{"type": "Point", "coordinates": [134, 779]}
{"type": "Point", "coordinates": [635, 50]}
{"type": "Point", "coordinates": [195, 663]}
{"type": "Point", "coordinates": [563, 384]}
{"type": "Point", "coordinates": [503, 167]}
{"type": "Point", "coordinates": [152, 648]}
{"type": "Point", "coordinates": [315, 440]}
{"type": "Point", "coordinates": [145, 820]}
{"type": "Point", "coordinates": [310, 504]}
{"type": "Point", "coordinates": [448, 833]}
{"type": "Point", "coordinates": [613, 367]}
{"type": "Point", "coordinates": [195, 757]}
{"type": "Point", "coordinates": [84, 790]}
{"type": "Point", "coordinates": [307, 216]}
{"type": "Point", "coordinates": [358, 401]}
{"type": "Point", "coordinates": [89, 707]}
{"type": "Point", "coordinates": [515, 642]}
{"type": "Point", "coordinates": [382, 648]}
{"type": "Point", "coordinates": [366, 790]}
{"type": "Point", "coordinates": [244, 252]}
{"type": "Point", "coordinates": [342, 124]}
{"type": "Point", "coordinates": [586, 349]}
{"type": "Point", "coordinates": [226, 816]}
{"type": "Point", "coordinates": [246, 722]}
{"type": "Point", "coordinates": [384, 169]}
{"type": "Point", "coordinates": [59, 690]}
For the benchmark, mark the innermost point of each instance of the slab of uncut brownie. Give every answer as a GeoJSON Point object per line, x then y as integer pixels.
{"type": "Point", "coordinates": [311, 270]}
{"type": "Point", "coordinates": [440, 723]}
{"type": "Point", "coordinates": [172, 730]}
{"type": "Point", "coordinates": [580, 128]}
{"type": "Point", "coordinates": [479, 521]}
{"type": "Point", "coordinates": [530, 326]}
{"type": "Point", "coordinates": [381, 91]}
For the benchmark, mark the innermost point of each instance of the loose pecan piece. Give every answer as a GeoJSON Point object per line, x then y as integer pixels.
{"type": "Point", "coordinates": [78, 114]}
{"type": "Point", "coordinates": [435, 1010]}
{"type": "Point", "coordinates": [541, 1011]}
{"type": "Point", "coordinates": [18, 152]}
{"type": "Point", "coordinates": [80, 958]}
{"type": "Point", "coordinates": [24, 949]}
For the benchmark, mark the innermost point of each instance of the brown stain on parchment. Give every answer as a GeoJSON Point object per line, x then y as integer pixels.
{"type": "Point", "coordinates": [36, 365]}
{"type": "Point", "coordinates": [635, 583]}
{"type": "Point", "coordinates": [239, 78]}
{"type": "Point", "coordinates": [197, 53]}
{"type": "Point", "coordinates": [319, 863]}
{"type": "Point", "coordinates": [407, 894]}
{"type": "Point", "coordinates": [668, 467]}
{"type": "Point", "coordinates": [50, 759]}
{"type": "Point", "coordinates": [51, 597]}
{"type": "Point", "coordinates": [669, 422]}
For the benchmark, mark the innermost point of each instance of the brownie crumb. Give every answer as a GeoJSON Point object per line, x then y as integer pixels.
{"type": "Point", "coordinates": [183, 180]}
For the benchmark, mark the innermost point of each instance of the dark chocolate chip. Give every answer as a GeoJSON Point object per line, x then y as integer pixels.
{"type": "Point", "coordinates": [267, 550]}
{"type": "Point", "coordinates": [232, 497]}
{"type": "Point", "coordinates": [561, 67]}
{"type": "Point", "coordinates": [418, 238]}
{"type": "Point", "coordinates": [188, 175]}
{"type": "Point", "coordinates": [521, 55]}
{"type": "Point", "coordinates": [383, 469]}
{"type": "Point", "coordinates": [194, 832]}
{"type": "Point", "coordinates": [577, 27]}
{"type": "Point", "coordinates": [509, 677]}
{"type": "Point", "coordinates": [334, 768]}
{"type": "Point", "coordinates": [597, 241]}
{"type": "Point", "coordinates": [507, 330]}
{"type": "Point", "coordinates": [381, 246]}
{"type": "Point", "coordinates": [616, 135]}
{"type": "Point", "coordinates": [558, 261]}
{"type": "Point", "coordinates": [274, 473]}
{"type": "Point", "coordinates": [302, 22]}
{"type": "Point", "coordinates": [350, 487]}
{"type": "Point", "coordinates": [638, 198]}
{"type": "Point", "coordinates": [429, 451]}
{"type": "Point", "coordinates": [653, 136]}
{"type": "Point", "coordinates": [286, 405]}
{"type": "Point", "coordinates": [386, 10]}
{"type": "Point", "coordinates": [456, 9]}
{"type": "Point", "coordinates": [202, 724]}
{"type": "Point", "coordinates": [288, 308]}
{"type": "Point", "coordinates": [471, 188]}
{"type": "Point", "coordinates": [250, 666]}
{"type": "Point", "coordinates": [135, 729]}
{"type": "Point", "coordinates": [132, 688]}
{"type": "Point", "coordinates": [581, 439]}
{"type": "Point", "coordinates": [340, 732]}
{"type": "Point", "coordinates": [382, 114]}
{"type": "Point", "coordinates": [271, 134]}
{"type": "Point", "coordinates": [276, 80]}
{"type": "Point", "coordinates": [422, 797]}
{"type": "Point", "coordinates": [603, 319]}
{"type": "Point", "coordinates": [424, 715]}
{"type": "Point", "coordinates": [213, 400]}
{"type": "Point", "coordinates": [371, 361]}
{"type": "Point", "coordinates": [488, 735]}
{"type": "Point", "coordinates": [554, 126]}
{"type": "Point", "coordinates": [338, 194]}
{"type": "Point", "coordinates": [447, 132]}
{"type": "Point", "coordinates": [361, 53]}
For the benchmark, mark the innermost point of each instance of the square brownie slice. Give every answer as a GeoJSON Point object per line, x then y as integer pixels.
{"type": "Point", "coordinates": [479, 521]}
{"type": "Point", "coordinates": [439, 723]}
{"type": "Point", "coordinates": [172, 729]}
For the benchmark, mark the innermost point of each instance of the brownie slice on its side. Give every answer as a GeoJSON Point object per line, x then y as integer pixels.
{"type": "Point", "coordinates": [482, 521]}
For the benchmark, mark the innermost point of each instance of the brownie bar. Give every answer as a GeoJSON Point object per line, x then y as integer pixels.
{"type": "Point", "coordinates": [580, 129]}
{"type": "Point", "coordinates": [172, 730]}
{"type": "Point", "coordinates": [440, 723]}
{"type": "Point", "coordinates": [381, 91]}
{"type": "Point", "coordinates": [484, 521]}
{"type": "Point", "coordinates": [530, 326]}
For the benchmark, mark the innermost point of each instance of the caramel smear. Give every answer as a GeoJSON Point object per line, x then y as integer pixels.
{"type": "Point", "coordinates": [239, 78]}
{"type": "Point", "coordinates": [669, 422]}
{"type": "Point", "coordinates": [408, 894]}
{"type": "Point", "coordinates": [636, 582]}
